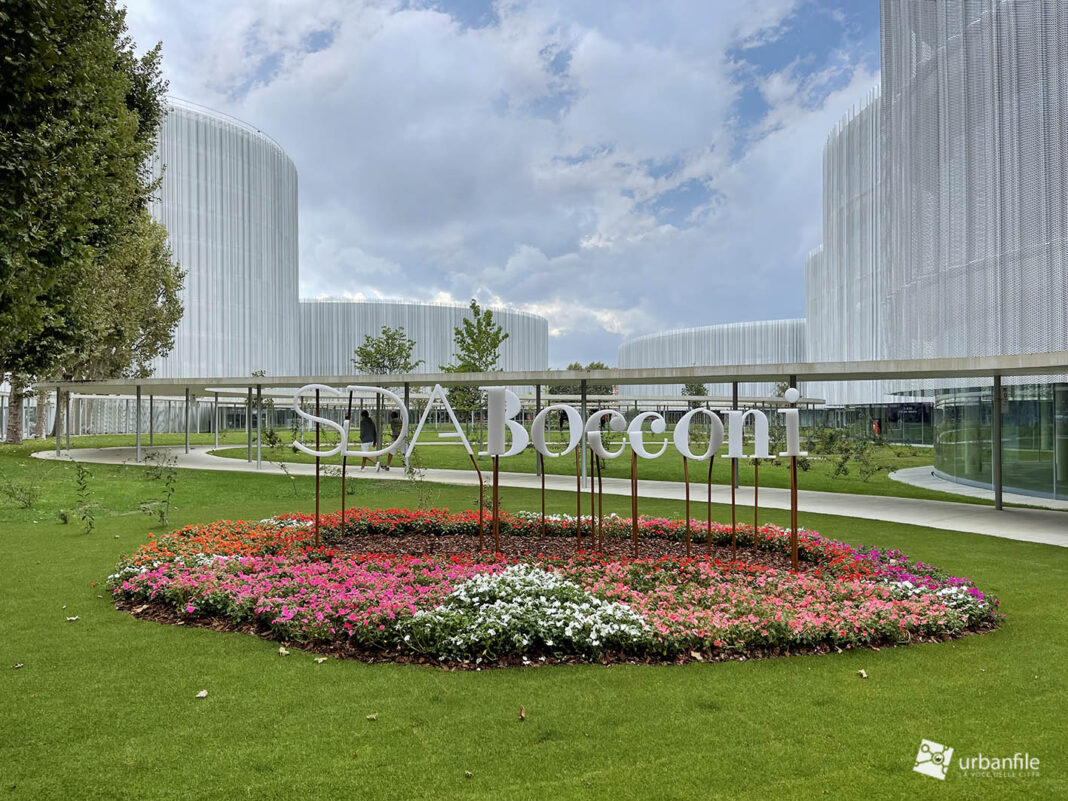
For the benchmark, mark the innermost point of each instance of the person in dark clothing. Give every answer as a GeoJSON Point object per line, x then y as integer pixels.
{"type": "Point", "coordinates": [395, 430]}
{"type": "Point", "coordinates": [368, 437]}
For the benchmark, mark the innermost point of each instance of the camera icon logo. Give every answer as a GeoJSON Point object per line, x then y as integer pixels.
{"type": "Point", "coordinates": [933, 759]}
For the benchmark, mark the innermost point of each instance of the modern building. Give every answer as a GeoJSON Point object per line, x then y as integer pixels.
{"type": "Point", "coordinates": [229, 201]}
{"type": "Point", "coordinates": [228, 198]}
{"type": "Point", "coordinates": [945, 234]}
{"type": "Point", "coordinates": [765, 342]}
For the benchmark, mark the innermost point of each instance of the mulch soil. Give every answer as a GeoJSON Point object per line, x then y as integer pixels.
{"type": "Point", "coordinates": [556, 546]}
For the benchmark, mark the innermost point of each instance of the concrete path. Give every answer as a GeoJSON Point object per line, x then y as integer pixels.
{"type": "Point", "coordinates": [1028, 525]}
{"type": "Point", "coordinates": [925, 477]}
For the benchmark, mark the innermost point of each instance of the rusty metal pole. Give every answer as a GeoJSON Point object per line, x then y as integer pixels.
{"type": "Point", "coordinates": [756, 500]}
{"type": "Point", "coordinates": [686, 481]}
{"type": "Point", "coordinates": [793, 512]}
{"type": "Point", "coordinates": [542, 537]}
{"type": "Point", "coordinates": [708, 545]}
{"type": "Point", "coordinates": [345, 463]}
{"type": "Point", "coordinates": [578, 497]}
{"type": "Point", "coordinates": [634, 500]}
{"type": "Point", "coordinates": [734, 512]}
{"type": "Point", "coordinates": [593, 499]}
{"type": "Point", "coordinates": [317, 541]}
{"type": "Point", "coordinates": [600, 510]}
{"type": "Point", "coordinates": [481, 503]}
{"type": "Point", "coordinates": [496, 507]}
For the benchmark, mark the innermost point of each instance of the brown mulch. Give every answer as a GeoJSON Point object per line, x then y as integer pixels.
{"type": "Point", "coordinates": [556, 546]}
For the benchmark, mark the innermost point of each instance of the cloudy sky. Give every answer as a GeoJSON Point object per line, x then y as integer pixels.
{"type": "Point", "coordinates": [618, 166]}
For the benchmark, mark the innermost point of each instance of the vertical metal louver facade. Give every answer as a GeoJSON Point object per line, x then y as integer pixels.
{"type": "Point", "coordinates": [765, 342]}
{"type": "Point", "coordinates": [332, 329]}
{"type": "Point", "coordinates": [974, 138]}
{"type": "Point", "coordinates": [842, 277]}
{"type": "Point", "coordinates": [945, 196]}
{"type": "Point", "coordinates": [229, 201]}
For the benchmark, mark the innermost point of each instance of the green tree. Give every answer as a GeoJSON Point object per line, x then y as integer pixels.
{"type": "Point", "coordinates": [390, 352]}
{"type": "Point", "coordinates": [591, 389]}
{"type": "Point", "coordinates": [478, 342]}
{"type": "Point", "coordinates": [88, 288]}
{"type": "Point", "coordinates": [694, 389]}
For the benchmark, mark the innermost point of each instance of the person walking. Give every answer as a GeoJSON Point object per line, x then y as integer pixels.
{"type": "Point", "coordinates": [395, 430]}
{"type": "Point", "coordinates": [368, 437]}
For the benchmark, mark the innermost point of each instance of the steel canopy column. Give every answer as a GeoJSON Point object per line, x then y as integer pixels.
{"type": "Point", "coordinates": [187, 419]}
{"type": "Point", "coordinates": [66, 426]}
{"type": "Point", "coordinates": [995, 441]}
{"type": "Point", "coordinates": [248, 424]}
{"type": "Point", "coordinates": [137, 423]}
{"type": "Point", "coordinates": [259, 424]}
{"type": "Point", "coordinates": [151, 421]}
{"type": "Point", "coordinates": [59, 418]}
{"type": "Point", "coordinates": [215, 422]}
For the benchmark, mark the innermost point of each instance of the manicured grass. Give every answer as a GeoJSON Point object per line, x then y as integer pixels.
{"type": "Point", "coordinates": [104, 707]}
{"type": "Point", "coordinates": [669, 468]}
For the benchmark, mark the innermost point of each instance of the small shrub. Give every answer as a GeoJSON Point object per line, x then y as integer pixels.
{"type": "Point", "coordinates": [24, 494]}
{"type": "Point", "coordinates": [85, 498]}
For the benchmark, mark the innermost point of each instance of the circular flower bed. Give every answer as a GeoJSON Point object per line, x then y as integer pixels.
{"type": "Point", "coordinates": [471, 610]}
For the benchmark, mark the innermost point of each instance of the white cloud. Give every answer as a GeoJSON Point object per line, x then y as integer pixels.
{"type": "Point", "coordinates": [587, 163]}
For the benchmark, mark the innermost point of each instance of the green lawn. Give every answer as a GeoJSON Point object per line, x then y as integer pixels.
{"type": "Point", "coordinates": [669, 467]}
{"type": "Point", "coordinates": [104, 706]}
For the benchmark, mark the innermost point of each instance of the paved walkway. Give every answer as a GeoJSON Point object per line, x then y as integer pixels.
{"type": "Point", "coordinates": [925, 477]}
{"type": "Point", "coordinates": [1028, 525]}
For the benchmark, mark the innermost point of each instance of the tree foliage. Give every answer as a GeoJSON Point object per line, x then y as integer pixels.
{"type": "Point", "coordinates": [390, 352]}
{"type": "Point", "coordinates": [478, 342]}
{"type": "Point", "coordinates": [88, 287]}
{"type": "Point", "coordinates": [591, 389]}
{"type": "Point", "coordinates": [694, 389]}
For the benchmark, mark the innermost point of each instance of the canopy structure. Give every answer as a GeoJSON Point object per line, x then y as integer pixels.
{"type": "Point", "coordinates": [978, 367]}
{"type": "Point", "coordinates": [965, 367]}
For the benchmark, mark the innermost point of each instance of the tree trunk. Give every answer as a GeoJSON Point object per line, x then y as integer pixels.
{"type": "Point", "coordinates": [57, 418]}
{"type": "Point", "coordinates": [14, 410]}
{"type": "Point", "coordinates": [42, 413]}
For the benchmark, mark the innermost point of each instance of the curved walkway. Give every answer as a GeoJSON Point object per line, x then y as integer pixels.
{"type": "Point", "coordinates": [1028, 525]}
{"type": "Point", "coordinates": [926, 478]}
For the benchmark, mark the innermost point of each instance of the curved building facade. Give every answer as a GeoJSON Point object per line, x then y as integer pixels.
{"type": "Point", "coordinates": [974, 181]}
{"type": "Point", "coordinates": [228, 198]}
{"type": "Point", "coordinates": [945, 231]}
{"type": "Point", "coordinates": [766, 342]}
{"type": "Point", "coordinates": [332, 329]}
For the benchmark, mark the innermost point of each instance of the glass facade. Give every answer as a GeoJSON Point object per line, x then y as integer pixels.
{"type": "Point", "coordinates": [1034, 437]}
